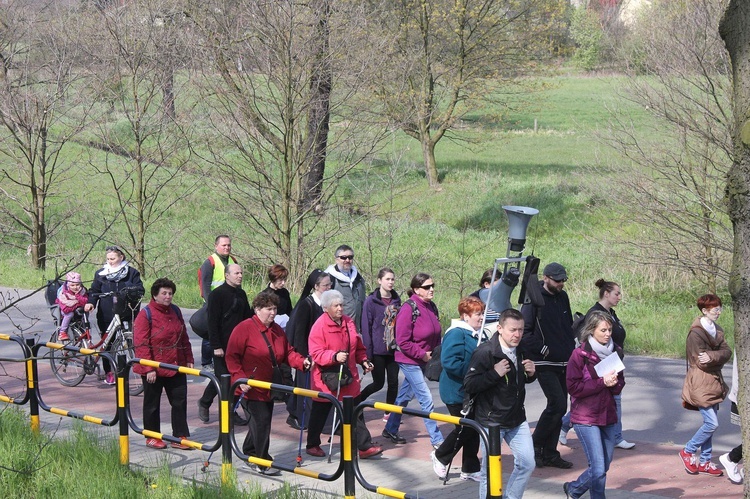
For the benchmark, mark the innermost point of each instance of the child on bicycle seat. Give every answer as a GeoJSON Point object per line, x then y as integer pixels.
{"type": "Point", "coordinates": [71, 296]}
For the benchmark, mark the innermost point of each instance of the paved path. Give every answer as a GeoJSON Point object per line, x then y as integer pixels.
{"type": "Point", "coordinates": [653, 419]}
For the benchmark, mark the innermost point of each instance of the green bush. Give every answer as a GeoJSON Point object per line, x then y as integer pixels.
{"type": "Point", "coordinates": [586, 31]}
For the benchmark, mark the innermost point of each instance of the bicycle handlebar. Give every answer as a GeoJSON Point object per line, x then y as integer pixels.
{"type": "Point", "coordinates": [118, 292]}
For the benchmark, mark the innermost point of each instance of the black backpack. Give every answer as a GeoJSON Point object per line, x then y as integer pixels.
{"type": "Point", "coordinates": [578, 320]}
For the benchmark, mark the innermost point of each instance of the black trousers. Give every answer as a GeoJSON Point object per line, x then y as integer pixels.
{"type": "Point", "coordinates": [295, 405]}
{"type": "Point", "coordinates": [735, 455]}
{"type": "Point", "coordinates": [318, 416]}
{"type": "Point", "coordinates": [220, 367]}
{"type": "Point", "coordinates": [258, 435]}
{"type": "Point", "coordinates": [547, 431]}
{"type": "Point", "coordinates": [384, 365]}
{"type": "Point", "coordinates": [468, 439]}
{"type": "Point", "coordinates": [176, 389]}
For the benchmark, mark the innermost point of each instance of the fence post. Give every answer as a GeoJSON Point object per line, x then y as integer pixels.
{"type": "Point", "coordinates": [348, 446]}
{"type": "Point", "coordinates": [122, 392]}
{"type": "Point", "coordinates": [225, 412]}
{"type": "Point", "coordinates": [494, 464]}
{"type": "Point", "coordinates": [31, 380]}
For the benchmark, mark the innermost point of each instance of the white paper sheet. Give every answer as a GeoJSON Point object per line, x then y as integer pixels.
{"type": "Point", "coordinates": [609, 364]}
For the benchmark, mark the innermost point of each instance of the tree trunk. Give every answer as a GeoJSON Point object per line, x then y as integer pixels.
{"type": "Point", "coordinates": [735, 31]}
{"type": "Point", "coordinates": [167, 90]}
{"type": "Point", "coordinates": [319, 115]}
{"type": "Point", "coordinates": [430, 166]}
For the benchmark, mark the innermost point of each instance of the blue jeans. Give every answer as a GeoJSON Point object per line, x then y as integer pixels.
{"type": "Point", "coordinates": [705, 433]}
{"type": "Point", "coordinates": [567, 425]}
{"type": "Point", "coordinates": [598, 444]}
{"type": "Point", "coordinates": [207, 353]}
{"type": "Point", "coordinates": [414, 385]}
{"type": "Point", "coordinates": [522, 446]}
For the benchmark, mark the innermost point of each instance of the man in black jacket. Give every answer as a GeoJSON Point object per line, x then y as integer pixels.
{"type": "Point", "coordinates": [549, 340]}
{"type": "Point", "coordinates": [496, 380]}
{"type": "Point", "coordinates": [226, 306]}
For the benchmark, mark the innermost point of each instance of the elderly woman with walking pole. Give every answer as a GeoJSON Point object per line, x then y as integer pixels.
{"type": "Point", "coordinates": [336, 349]}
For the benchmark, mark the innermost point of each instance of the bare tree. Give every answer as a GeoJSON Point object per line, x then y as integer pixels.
{"type": "Point", "coordinates": [448, 58]}
{"type": "Point", "coordinates": [674, 170]}
{"type": "Point", "coordinates": [318, 117]}
{"type": "Point", "coordinates": [41, 111]}
{"type": "Point", "coordinates": [270, 148]}
{"type": "Point", "coordinates": [735, 31]}
{"type": "Point", "coordinates": [144, 148]}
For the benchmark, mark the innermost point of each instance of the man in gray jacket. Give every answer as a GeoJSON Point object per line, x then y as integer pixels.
{"type": "Point", "coordinates": [349, 282]}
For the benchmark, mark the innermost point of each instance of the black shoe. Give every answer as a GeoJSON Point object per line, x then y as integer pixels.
{"type": "Point", "coordinates": [239, 420]}
{"type": "Point", "coordinates": [203, 413]}
{"type": "Point", "coordinates": [293, 422]}
{"type": "Point", "coordinates": [393, 437]}
{"type": "Point", "coordinates": [538, 457]}
{"type": "Point", "coordinates": [558, 462]}
{"type": "Point", "coordinates": [565, 489]}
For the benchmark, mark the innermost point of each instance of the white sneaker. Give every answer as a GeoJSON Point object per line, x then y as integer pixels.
{"type": "Point", "coordinates": [624, 444]}
{"type": "Point", "coordinates": [732, 469]}
{"type": "Point", "coordinates": [563, 438]}
{"type": "Point", "coordinates": [476, 476]}
{"type": "Point", "coordinates": [439, 468]}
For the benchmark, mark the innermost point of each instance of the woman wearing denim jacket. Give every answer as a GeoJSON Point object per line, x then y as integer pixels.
{"type": "Point", "coordinates": [592, 404]}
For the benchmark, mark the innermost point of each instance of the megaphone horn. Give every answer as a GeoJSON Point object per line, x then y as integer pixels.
{"type": "Point", "coordinates": [518, 221]}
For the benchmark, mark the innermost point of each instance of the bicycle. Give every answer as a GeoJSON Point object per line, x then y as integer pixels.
{"type": "Point", "coordinates": [70, 368]}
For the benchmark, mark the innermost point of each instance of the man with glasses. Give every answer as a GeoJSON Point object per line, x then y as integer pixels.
{"type": "Point", "coordinates": [549, 340]}
{"type": "Point", "coordinates": [349, 282]}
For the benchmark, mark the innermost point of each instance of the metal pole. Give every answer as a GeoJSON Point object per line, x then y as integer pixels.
{"type": "Point", "coordinates": [348, 447]}
{"type": "Point", "coordinates": [333, 423]}
{"type": "Point", "coordinates": [494, 464]}
{"type": "Point", "coordinates": [122, 400]}
{"type": "Point", "coordinates": [224, 416]}
{"type": "Point", "coordinates": [31, 377]}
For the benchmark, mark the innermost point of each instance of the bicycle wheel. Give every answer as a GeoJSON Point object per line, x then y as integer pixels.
{"type": "Point", "coordinates": [123, 345]}
{"type": "Point", "coordinates": [68, 367]}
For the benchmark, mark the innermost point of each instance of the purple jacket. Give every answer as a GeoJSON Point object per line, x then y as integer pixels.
{"type": "Point", "coordinates": [591, 403]}
{"type": "Point", "coordinates": [414, 340]}
{"type": "Point", "coordinates": [373, 314]}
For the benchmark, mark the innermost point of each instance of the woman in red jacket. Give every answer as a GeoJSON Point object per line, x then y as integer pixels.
{"type": "Point", "coordinates": [336, 347]}
{"type": "Point", "coordinates": [248, 355]}
{"type": "Point", "coordinates": [593, 411]}
{"type": "Point", "coordinates": [163, 338]}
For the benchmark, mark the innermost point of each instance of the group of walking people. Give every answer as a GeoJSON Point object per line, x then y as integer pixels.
{"type": "Point", "coordinates": [331, 333]}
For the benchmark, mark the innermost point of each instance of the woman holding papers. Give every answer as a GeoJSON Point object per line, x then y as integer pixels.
{"type": "Point", "coordinates": [594, 376]}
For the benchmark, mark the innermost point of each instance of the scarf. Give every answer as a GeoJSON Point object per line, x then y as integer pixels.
{"type": "Point", "coordinates": [115, 274]}
{"type": "Point", "coordinates": [709, 326]}
{"type": "Point", "coordinates": [603, 351]}
{"type": "Point", "coordinates": [333, 271]}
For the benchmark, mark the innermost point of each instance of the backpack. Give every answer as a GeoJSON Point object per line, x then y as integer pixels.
{"type": "Point", "coordinates": [389, 333]}
{"type": "Point", "coordinates": [200, 277]}
{"type": "Point", "coordinates": [174, 307]}
{"type": "Point", "coordinates": [578, 320]}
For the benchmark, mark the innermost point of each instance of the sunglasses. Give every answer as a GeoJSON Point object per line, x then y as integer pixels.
{"type": "Point", "coordinates": [113, 248]}
{"type": "Point", "coordinates": [346, 257]}
{"type": "Point", "coordinates": [560, 280]}
{"type": "Point", "coordinates": [428, 286]}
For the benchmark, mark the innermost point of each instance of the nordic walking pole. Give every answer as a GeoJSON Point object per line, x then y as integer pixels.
{"type": "Point", "coordinates": [302, 419]}
{"type": "Point", "coordinates": [333, 425]}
